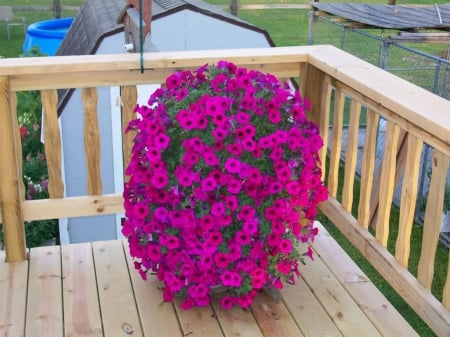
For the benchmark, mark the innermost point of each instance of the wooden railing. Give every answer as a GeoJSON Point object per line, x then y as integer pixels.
{"type": "Point", "coordinates": [341, 88]}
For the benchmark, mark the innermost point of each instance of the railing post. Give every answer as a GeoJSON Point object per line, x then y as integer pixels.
{"type": "Point", "coordinates": [10, 178]}
{"type": "Point", "coordinates": [316, 87]}
{"type": "Point", "coordinates": [311, 87]}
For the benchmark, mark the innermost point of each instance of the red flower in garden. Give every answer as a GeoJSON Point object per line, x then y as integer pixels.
{"type": "Point", "coordinates": [23, 131]}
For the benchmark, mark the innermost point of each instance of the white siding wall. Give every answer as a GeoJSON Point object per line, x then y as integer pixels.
{"type": "Point", "coordinates": [188, 30]}
{"type": "Point", "coordinates": [185, 30]}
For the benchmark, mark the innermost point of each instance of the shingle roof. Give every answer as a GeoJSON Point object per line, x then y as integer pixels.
{"type": "Point", "coordinates": [390, 16]}
{"type": "Point", "coordinates": [97, 19]}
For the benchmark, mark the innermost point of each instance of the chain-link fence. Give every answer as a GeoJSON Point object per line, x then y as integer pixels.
{"type": "Point", "coordinates": [429, 71]}
{"type": "Point", "coordinates": [378, 46]}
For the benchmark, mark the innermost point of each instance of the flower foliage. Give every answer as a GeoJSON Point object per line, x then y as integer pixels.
{"type": "Point", "coordinates": [224, 180]}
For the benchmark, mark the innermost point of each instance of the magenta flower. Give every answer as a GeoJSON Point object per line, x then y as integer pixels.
{"type": "Point", "coordinates": [208, 184]}
{"type": "Point", "coordinates": [285, 246]}
{"type": "Point", "coordinates": [223, 185]}
{"type": "Point", "coordinates": [217, 209]}
{"type": "Point", "coordinates": [184, 176]}
{"type": "Point", "coordinates": [232, 165]}
{"type": "Point", "coordinates": [230, 279]}
{"type": "Point", "coordinates": [221, 260]}
{"type": "Point", "coordinates": [227, 302]}
{"type": "Point", "coordinates": [159, 179]}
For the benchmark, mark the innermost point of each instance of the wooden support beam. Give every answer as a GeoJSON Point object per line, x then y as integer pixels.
{"type": "Point", "coordinates": [11, 193]}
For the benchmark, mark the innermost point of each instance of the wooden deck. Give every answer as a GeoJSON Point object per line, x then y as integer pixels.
{"type": "Point", "coordinates": [92, 289]}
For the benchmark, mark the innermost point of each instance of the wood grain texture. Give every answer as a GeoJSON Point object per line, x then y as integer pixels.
{"type": "Point", "coordinates": [371, 300]}
{"type": "Point", "coordinates": [198, 322]}
{"type": "Point", "coordinates": [236, 321]}
{"type": "Point", "coordinates": [401, 101]}
{"type": "Point", "coordinates": [13, 292]}
{"type": "Point", "coordinates": [273, 317]}
{"type": "Point", "coordinates": [82, 316]}
{"type": "Point", "coordinates": [433, 218]}
{"type": "Point", "coordinates": [368, 168]}
{"type": "Point", "coordinates": [103, 296]}
{"type": "Point", "coordinates": [408, 200]}
{"type": "Point", "coordinates": [129, 101]}
{"type": "Point", "coordinates": [340, 306]}
{"type": "Point", "coordinates": [387, 183]}
{"type": "Point", "coordinates": [324, 121]}
{"type": "Point", "coordinates": [351, 155]}
{"type": "Point", "coordinates": [44, 314]}
{"type": "Point", "coordinates": [72, 207]}
{"type": "Point", "coordinates": [117, 304]}
{"type": "Point", "coordinates": [52, 143]}
{"type": "Point", "coordinates": [416, 295]}
{"type": "Point", "coordinates": [92, 141]}
{"type": "Point", "coordinates": [308, 312]}
{"type": "Point", "coordinates": [310, 79]}
{"type": "Point", "coordinates": [336, 141]}
{"type": "Point", "coordinates": [150, 306]}
{"type": "Point", "coordinates": [10, 178]}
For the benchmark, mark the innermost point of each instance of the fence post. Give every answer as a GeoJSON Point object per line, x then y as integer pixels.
{"type": "Point", "coordinates": [10, 177]}
{"type": "Point", "coordinates": [384, 54]}
{"type": "Point", "coordinates": [437, 73]}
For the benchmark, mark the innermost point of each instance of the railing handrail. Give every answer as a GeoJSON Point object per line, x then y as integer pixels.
{"type": "Point", "coordinates": [416, 106]}
{"type": "Point", "coordinates": [408, 102]}
{"type": "Point", "coordinates": [421, 115]}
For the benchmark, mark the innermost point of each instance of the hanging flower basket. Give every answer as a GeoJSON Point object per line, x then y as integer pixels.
{"type": "Point", "coordinates": [224, 180]}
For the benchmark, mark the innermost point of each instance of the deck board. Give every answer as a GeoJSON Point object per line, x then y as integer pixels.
{"type": "Point", "coordinates": [377, 308]}
{"type": "Point", "coordinates": [13, 294]}
{"type": "Point", "coordinates": [273, 317]}
{"type": "Point", "coordinates": [307, 311]}
{"type": "Point", "coordinates": [348, 317]}
{"type": "Point", "coordinates": [91, 289]}
{"type": "Point", "coordinates": [118, 307]}
{"type": "Point", "coordinates": [81, 306]}
{"type": "Point", "coordinates": [150, 305]}
{"type": "Point", "coordinates": [44, 316]}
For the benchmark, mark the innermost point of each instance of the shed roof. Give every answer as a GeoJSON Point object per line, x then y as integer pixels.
{"type": "Point", "coordinates": [97, 19]}
{"type": "Point", "coordinates": [391, 16]}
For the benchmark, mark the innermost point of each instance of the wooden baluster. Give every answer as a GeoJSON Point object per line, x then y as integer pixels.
{"type": "Point", "coordinates": [351, 155]}
{"type": "Point", "coordinates": [324, 123]}
{"type": "Point", "coordinates": [446, 292]}
{"type": "Point", "coordinates": [92, 141]}
{"type": "Point", "coordinates": [368, 167]}
{"type": "Point", "coordinates": [433, 217]}
{"type": "Point", "coordinates": [336, 141]}
{"type": "Point", "coordinates": [387, 182]}
{"type": "Point", "coordinates": [52, 143]}
{"type": "Point", "coordinates": [129, 100]}
{"type": "Point", "coordinates": [400, 167]}
{"type": "Point", "coordinates": [13, 105]}
{"type": "Point", "coordinates": [11, 193]}
{"type": "Point", "coordinates": [408, 200]}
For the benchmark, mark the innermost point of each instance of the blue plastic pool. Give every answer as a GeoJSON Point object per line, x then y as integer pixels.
{"type": "Point", "coordinates": [47, 35]}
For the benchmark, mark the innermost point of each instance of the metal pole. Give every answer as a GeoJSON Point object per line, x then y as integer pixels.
{"type": "Point", "coordinates": [57, 8]}
{"type": "Point", "coordinates": [437, 73]}
{"type": "Point", "coordinates": [310, 28]}
{"type": "Point", "coordinates": [384, 54]}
